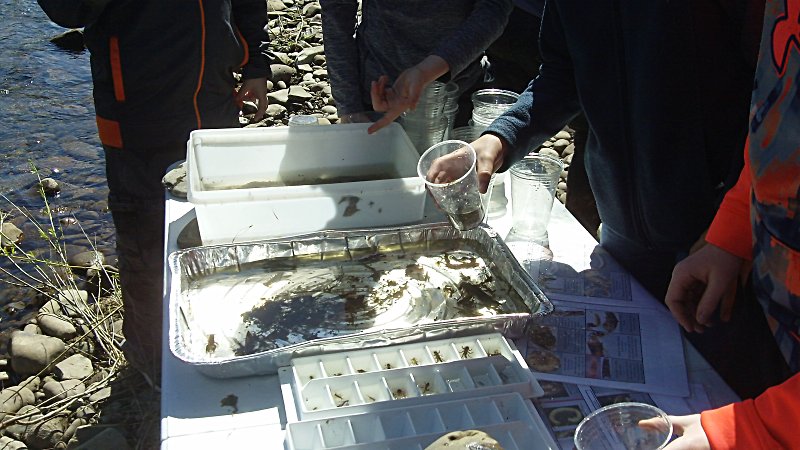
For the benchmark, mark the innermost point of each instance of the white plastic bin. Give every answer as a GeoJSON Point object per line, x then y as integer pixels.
{"type": "Point", "coordinates": [254, 183]}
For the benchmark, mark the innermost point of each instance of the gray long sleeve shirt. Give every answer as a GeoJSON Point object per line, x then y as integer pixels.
{"type": "Point", "coordinates": [395, 35]}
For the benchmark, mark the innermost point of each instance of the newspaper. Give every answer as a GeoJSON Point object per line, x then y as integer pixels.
{"type": "Point", "coordinates": [598, 280]}
{"type": "Point", "coordinates": [564, 405]}
{"type": "Point", "coordinates": [631, 348]}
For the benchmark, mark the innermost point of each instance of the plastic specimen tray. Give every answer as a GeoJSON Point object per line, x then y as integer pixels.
{"type": "Point", "coordinates": [508, 418]}
{"type": "Point", "coordinates": [406, 396]}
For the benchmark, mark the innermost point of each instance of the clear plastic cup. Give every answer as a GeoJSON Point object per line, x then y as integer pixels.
{"type": "Point", "coordinates": [617, 427]}
{"type": "Point", "coordinates": [533, 188]}
{"type": "Point", "coordinates": [456, 190]}
{"type": "Point", "coordinates": [303, 120]}
{"type": "Point", "coordinates": [489, 104]}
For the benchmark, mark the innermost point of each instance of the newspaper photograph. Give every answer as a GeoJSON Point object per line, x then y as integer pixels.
{"type": "Point", "coordinates": [564, 405]}
{"type": "Point", "coordinates": [635, 349]}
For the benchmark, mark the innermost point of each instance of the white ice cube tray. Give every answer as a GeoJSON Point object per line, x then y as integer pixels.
{"type": "Point", "coordinates": [508, 418]}
{"type": "Point", "coordinates": [341, 383]}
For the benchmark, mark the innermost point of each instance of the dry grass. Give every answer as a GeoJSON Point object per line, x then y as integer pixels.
{"type": "Point", "coordinates": [133, 404]}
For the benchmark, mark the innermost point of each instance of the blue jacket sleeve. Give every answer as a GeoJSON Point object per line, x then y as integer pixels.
{"type": "Point", "coordinates": [549, 102]}
{"type": "Point", "coordinates": [73, 13]}
{"type": "Point", "coordinates": [473, 37]}
{"type": "Point", "coordinates": [250, 17]}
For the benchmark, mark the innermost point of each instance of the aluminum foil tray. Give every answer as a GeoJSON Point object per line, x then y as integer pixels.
{"type": "Point", "coordinates": [247, 309]}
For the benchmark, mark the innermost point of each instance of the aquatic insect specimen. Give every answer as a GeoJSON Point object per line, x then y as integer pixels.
{"type": "Point", "coordinates": [466, 352]}
{"type": "Point", "coordinates": [414, 362]}
{"type": "Point", "coordinates": [388, 366]}
{"type": "Point", "coordinates": [399, 393]}
{"type": "Point", "coordinates": [211, 345]}
{"type": "Point", "coordinates": [360, 370]}
{"type": "Point", "coordinates": [437, 356]}
{"type": "Point", "coordinates": [426, 389]}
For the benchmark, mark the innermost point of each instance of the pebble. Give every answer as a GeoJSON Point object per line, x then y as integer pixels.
{"type": "Point", "coordinates": [56, 326]}
{"type": "Point", "coordinates": [76, 367]}
{"type": "Point", "coordinates": [7, 443]}
{"type": "Point", "coordinates": [176, 182]}
{"type": "Point", "coordinates": [281, 96]}
{"type": "Point", "coordinates": [276, 109]}
{"type": "Point", "coordinates": [63, 389]}
{"type": "Point", "coordinates": [563, 134]}
{"type": "Point", "coordinates": [298, 94]}
{"type": "Point", "coordinates": [10, 235]}
{"type": "Point", "coordinates": [328, 109]}
{"type": "Point", "coordinates": [282, 72]}
{"type": "Point", "coordinates": [46, 434]}
{"type": "Point", "coordinates": [561, 143]}
{"type": "Point", "coordinates": [13, 398]}
{"type": "Point", "coordinates": [91, 258]}
{"type": "Point", "coordinates": [275, 5]}
{"type": "Point", "coordinates": [50, 186]}
{"type": "Point", "coordinates": [549, 152]}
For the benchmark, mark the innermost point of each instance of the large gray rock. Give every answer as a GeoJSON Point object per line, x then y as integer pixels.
{"type": "Point", "coordinates": [46, 434]}
{"type": "Point", "coordinates": [31, 353]}
{"type": "Point", "coordinates": [71, 40]}
{"type": "Point", "coordinates": [282, 72]}
{"type": "Point", "coordinates": [13, 398]}
{"type": "Point", "coordinates": [63, 389]}
{"type": "Point", "coordinates": [76, 367]}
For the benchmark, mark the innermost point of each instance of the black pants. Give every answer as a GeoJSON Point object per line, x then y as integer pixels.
{"type": "Point", "coordinates": [136, 200]}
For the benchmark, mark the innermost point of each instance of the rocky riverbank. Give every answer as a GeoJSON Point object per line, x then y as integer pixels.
{"type": "Point", "coordinates": [65, 383]}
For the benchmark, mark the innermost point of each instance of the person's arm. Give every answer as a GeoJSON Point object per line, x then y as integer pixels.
{"type": "Point", "coordinates": [73, 13]}
{"type": "Point", "coordinates": [341, 53]}
{"type": "Point", "coordinates": [731, 229]}
{"type": "Point", "coordinates": [768, 422]}
{"type": "Point", "coordinates": [250, 19]}
{"type": "Point", "coordinates": [707, 279]}
{"type": "Point", "coordinates": [486, 23]}
{"type": "Point", "coordinates": [549, 102]}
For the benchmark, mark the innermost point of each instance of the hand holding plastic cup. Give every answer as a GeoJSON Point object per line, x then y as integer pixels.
{"type": "Point", "coordinates": [617, 427]}
{"type": "Point", "coordinates": [448, 169]}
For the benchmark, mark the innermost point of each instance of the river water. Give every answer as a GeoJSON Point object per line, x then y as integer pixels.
{"type": "Point", "coordinates": [47, 119]}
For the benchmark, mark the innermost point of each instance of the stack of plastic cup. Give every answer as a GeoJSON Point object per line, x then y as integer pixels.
{"type": "Point", "coordinates": [466, 134]}
{"type": "Point", "coordinates": [427, 124]}
{"type": "Point", "coordinates": [451, 106]}
{"type": "Point", "coordinates": [489, 104]}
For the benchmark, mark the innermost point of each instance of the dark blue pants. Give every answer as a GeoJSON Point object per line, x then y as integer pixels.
{"type": "Point", "coordinates": [136, 200]}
